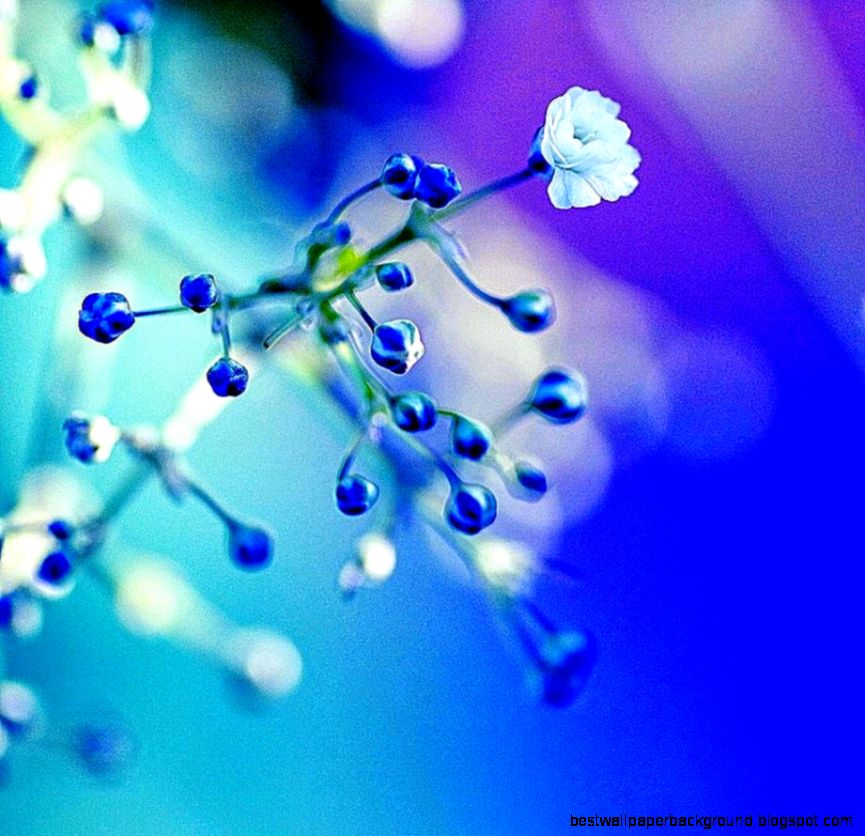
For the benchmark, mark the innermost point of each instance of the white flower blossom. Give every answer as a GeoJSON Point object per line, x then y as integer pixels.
{"type": "Point", "coordinates": [587, 147]}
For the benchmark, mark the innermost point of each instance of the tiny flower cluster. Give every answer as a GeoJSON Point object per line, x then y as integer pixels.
{"type": "Point", "coordinates": [92, 439]}
{"type": "Point", "coordinates": [113, 58]}
{"type": "Point", "coordinates": [582, 152]}
{"type": "Point", "coordinates": [59, 531]}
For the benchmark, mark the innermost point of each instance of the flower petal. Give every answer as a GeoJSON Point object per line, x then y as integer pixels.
{"type": "Point", "coordinates": [569, 190]}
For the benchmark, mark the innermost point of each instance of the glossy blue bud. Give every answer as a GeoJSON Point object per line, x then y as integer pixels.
{"type": "Point", "coordinates": [250, 547]}
{"type": "Point", "coordinates": [437, 185]}
{"type": "Point", "coordinates": [531, 478]}
{"type": "Point", "coordinates": [559, 396]}
{"type": "Point", "coordinates": [471, 508]}
{"type": "Point", "coordinates": [128, 17]}
{"type": "Point", "coordinates": [414, 412]}
{"type": "Point", "coordinates": [393, 276]}
{"type": "Point", "coordinates": [87, 30]}
{"type": "Point", "coordinates": [355, 495]}
{"type": "Point", "coordinates": [396, 345]}
{"type": "Point", "coordinates": [198, 293]}
{"type": "Point", "coordinates": [105, 316]}
{"type": "Point", "coordinates": [399, 175]}
{"type": "Point", "coordinates": [537, 163]}
{"type": "Point", "coordinates": [530, 311]}
{"type": "Point", "coordinates": [228, 378]}
{"type": "Point", "coordinates": [89, 439]}
{"type": "Point", "coordinates": [567, 660]}
{"type": "Point", "coordinates": [7, 610]}
{"type": "Point", "coordinates": [77, 439]}
{"type": "Point", "coordinates": [55, 568]}
{"type": "Point", "coordinates": [29, 88]}
{"type": "Point", "coordinates": [60, 529]}
{"type": "Point", "coordinates": [341, 234]}
{"type": "Point", "coordinates": [470, 439]}
{"type": "Point", "coordinates": [10, 267]}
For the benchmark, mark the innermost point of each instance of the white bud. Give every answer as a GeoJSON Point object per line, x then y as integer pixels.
{"type": "Point", "coordinates": [377, 556]}
{"type": "Point", "coordinates": [83, 199]}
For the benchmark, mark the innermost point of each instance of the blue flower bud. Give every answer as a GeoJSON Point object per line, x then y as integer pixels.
{"type": "Point", "coordinates": [414, 412]}
{"type": "Point", "coordinates": [78, 441]}
{"type": "Point", "coordinates": [396, 345]}
{"type": "Point", "coordinates": [437, 185]}
{"type": "Point", "coordinates": [198, 293]}
{"type": "Point", "coordinates": [10, 267]}
{"type": "Point", "coordinates": [530, 311]}
{"type": "Point", "coordinates": [128, 17]}
{"type": "Point", "coordinates": [7, 610]}
{"type": "Point", "coordinates": [89, 439]}
{"type": "Point", "coordinates": [399, 175]}
{"type": "Point", "coordinates": [559, 396]}
{"type": "Point", "coordinates": [55, 568]}
{"type": "Point", "coordinates": [341, 234]}
{"type": "Point", "coordinates": [103, 749]}
{"type": "Point", "coordinates": [87, 30]}
{"type": "Point", "coordinates": [60, 529]}
{"type": "Point", "coordinates": [537, 163]}
{"type": "Point", "coordinates": [394, 275]}
{"type": "Point", "coordinates": [228, 378]}
{"type": "Point", "coordinates": [29, 88]}
{"type": "Point", "coordinates": [105, 316]}
{"type": "Point", "coordinates": [355, 495]}
{"type": "Point", "coordinates": [471, 508]}
{"type": "Point", "coordinates": [531, 478]}
{"type": "Point", "coordinates": [567, 660]}
{"type": "Point", "coordinates": [470, 439]}
{"type": "Point", "coordinates": [250, 547]}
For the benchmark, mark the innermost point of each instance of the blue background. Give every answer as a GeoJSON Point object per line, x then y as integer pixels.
{"type": "Point", "coordinates": [722, 559]}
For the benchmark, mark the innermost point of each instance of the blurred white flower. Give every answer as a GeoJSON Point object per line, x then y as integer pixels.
{"type": "Point", "coordinates": [587, 147]}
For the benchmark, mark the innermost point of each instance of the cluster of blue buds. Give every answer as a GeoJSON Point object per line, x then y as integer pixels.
{"type": "Point", "coordinates": [104, 317]}
{"type": "Point", "coordinates": [322, 292]}
{"type": "Point", "coordinates": [408, 177]}
{"type": "Point", "coordinates": [113, 44]}
{"type": "Point", "coordinates": [440, 458]}
{"type": "Point", "coordinates": [362, 357]}
{"type": "Point", "coordinates": [41, 555]}
{"type": "Point", "coordinates": [92, 439]}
